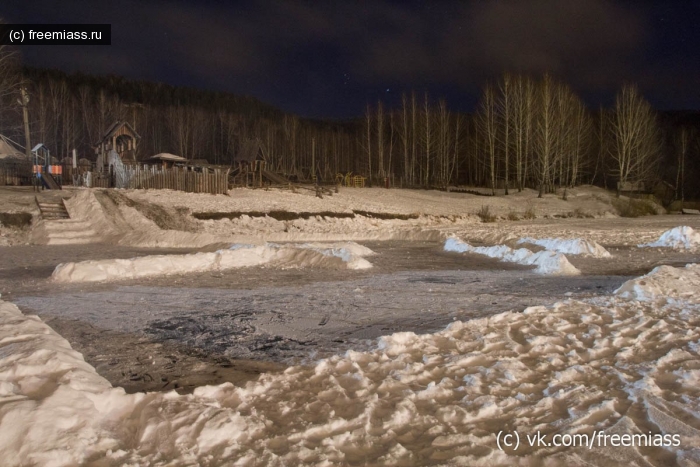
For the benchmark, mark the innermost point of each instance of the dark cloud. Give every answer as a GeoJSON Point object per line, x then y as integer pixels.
{"type": "Point", "coordinates": [474, 42]}
{"type": "Point", "coordinates": [330, 58]}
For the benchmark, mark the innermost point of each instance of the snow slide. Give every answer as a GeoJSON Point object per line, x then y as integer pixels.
{"type": "Point", "coordinates": [337, 255]}
{"type": "Point", "coordinates": [545, 262]}
{"type": "Point", "coordinates": [603, 367]}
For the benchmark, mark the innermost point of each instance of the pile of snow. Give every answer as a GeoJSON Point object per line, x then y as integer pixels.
{"type": "Point", "coordinates": [664, 283]}
{"type": "Point", "coordinates": [606, 366]}
{"type": "Point", "coordinates": [51, 401]}
{"type": "Point", "coordinates": [347, 255]}
{"type": "Point", "coordinates": [678, 238]}
{"type": "Point", "coordinates": [575, 246]}
{"type": "Point", "coordinates": [546, 262]}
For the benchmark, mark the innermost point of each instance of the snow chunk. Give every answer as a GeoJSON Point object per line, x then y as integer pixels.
{"type": "Point", "coordinates": [545, 262]}
{"type": "Point", "coordinates": [678, 238]}
{"type": "Point", "coordinates": [575, 246]}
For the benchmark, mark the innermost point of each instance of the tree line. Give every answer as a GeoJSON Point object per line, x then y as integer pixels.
{"type": "Point", "coordinates": [526, 132]}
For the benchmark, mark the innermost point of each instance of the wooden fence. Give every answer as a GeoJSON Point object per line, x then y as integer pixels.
{"type": "Point", "coordinates": [158, 178]}
{"type": "Point", "coordinates": [15, 174]}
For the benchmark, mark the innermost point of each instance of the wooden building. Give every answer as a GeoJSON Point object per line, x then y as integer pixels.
{"type": "Point", "coordinates": [166, 160]}
{"type": "Point", "coordinates": [121, 137]}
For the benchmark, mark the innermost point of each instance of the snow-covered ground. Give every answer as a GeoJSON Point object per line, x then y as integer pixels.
{"type": "Point", "coordinates": [625, 364]}
{"type": "Point", "coordinates": [164, 218]}
{"type": "Point", "coordinates": [620, 364]}
{"type": "Point", "coordinates": [594, 201]}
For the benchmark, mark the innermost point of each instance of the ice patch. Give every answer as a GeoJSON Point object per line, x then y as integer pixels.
{"type": "Point", "coordinates": [576, 246]}
{"type": "Point", "coordinates": [678, 238]}
{"type": "Point", "coordinates": [237, 256]}
{"type": "Point", "coordinates": [239, 246]}
{"type": "Point", "coordinates": [545, 262]}
{"type": "Point", "coordinates": [350, 252]}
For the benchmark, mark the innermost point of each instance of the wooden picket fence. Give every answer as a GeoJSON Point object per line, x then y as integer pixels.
{"type": "Point", "coordinates": [178, 178]}
{"type": "Point", "coordinates": [158, 178]}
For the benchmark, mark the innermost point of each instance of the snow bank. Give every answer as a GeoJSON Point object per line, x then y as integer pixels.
{"type": "Point", "coordinates": [48, 411]}
{"type": "Point", "coordinates": [347, 255]}
{"type": "Point", "coordinates": [575, 246]}
{"type": "Point", "coordinates": [606, 364]}
{"type": "Point", "coordinates": [678, 238]}
{"type": "Point", "coordinates": [545, 262]}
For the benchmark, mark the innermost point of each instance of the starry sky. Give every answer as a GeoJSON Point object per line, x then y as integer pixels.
{"type": "Point", "coordinates": [329, 59]}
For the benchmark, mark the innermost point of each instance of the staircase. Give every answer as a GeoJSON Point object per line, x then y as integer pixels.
{"type": "Point", "coordinates": [52, 210]}
{"type": "Point", "coordinates": [61, 229]}
{"type": "Point", "coordinates": [70, 231]}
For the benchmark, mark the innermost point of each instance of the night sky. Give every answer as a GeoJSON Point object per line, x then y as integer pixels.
{"type": "Point", "coordinates": [329, 59]}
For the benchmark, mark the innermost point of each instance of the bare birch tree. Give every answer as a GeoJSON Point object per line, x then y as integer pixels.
{"type": "Point", "coordinates": [414, 137]}
{"type": "Point", "coordinates": [545, 132]}
{"type": "Point", "coordinates": [428, 139]}
{"type": "Point", "coordinates": [635, 135]}
{"type": "Point", "coordinates": [10, 78]}
{"type": "Point", "coordinates": [488, 127]}
{"type": "Point", "coordinates": [380, 140]}
{"type": "Point", "coordinates": [683, 139]}
{"type": "Point", "coordinates": [368, 118]}
{"type": "Point", "coordinates": [405, 138]}
{"type": "Point", "coordinates": [504, 104]}
{"type": "Point", "coordinates": [522, 103]}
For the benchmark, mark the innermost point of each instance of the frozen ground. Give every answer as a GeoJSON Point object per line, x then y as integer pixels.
{"type": "Point", "coordinates": [356, 366]}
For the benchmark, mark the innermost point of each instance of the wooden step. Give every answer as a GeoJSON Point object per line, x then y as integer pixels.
{"type": "Point", "coordinates": [52, 210]}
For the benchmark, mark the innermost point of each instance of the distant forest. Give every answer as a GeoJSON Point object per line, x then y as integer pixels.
{"type": "Point", "coordinates": [527, 132]}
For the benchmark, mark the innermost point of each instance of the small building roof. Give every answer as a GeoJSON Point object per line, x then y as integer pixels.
{"type": "Point", "coordinates": [115, 127]}
{"type": "Point", "coordinates": [166, 156]}
{"type": "Point", "coordinates": [39, 146]}
{"type": "Point", "coordinates": [7, 149]}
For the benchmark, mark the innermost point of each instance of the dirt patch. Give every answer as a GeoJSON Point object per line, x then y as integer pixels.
{"type": "Point", "coordinates": [635, 207]}
{"type": "Point", "coordinates": [291, 216]}
{"type": "Point", "coordinates": [386, 216]}
{"type": "Point", "coordinates": [16, 219]}
{"type": "Point", "coordinates": [139, 364]}
{"type": "Point", "coordinates": [176, 219]}
{"type": "Point", "coordinates": [277, 215]}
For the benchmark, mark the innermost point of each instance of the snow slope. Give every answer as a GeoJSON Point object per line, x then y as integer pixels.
{"type": "Point", "coordinates": [347, 255]}
{"type": "Point", "coordinates": [545, 262]}
{"type": "Point", "coordinates": [607, 365]}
